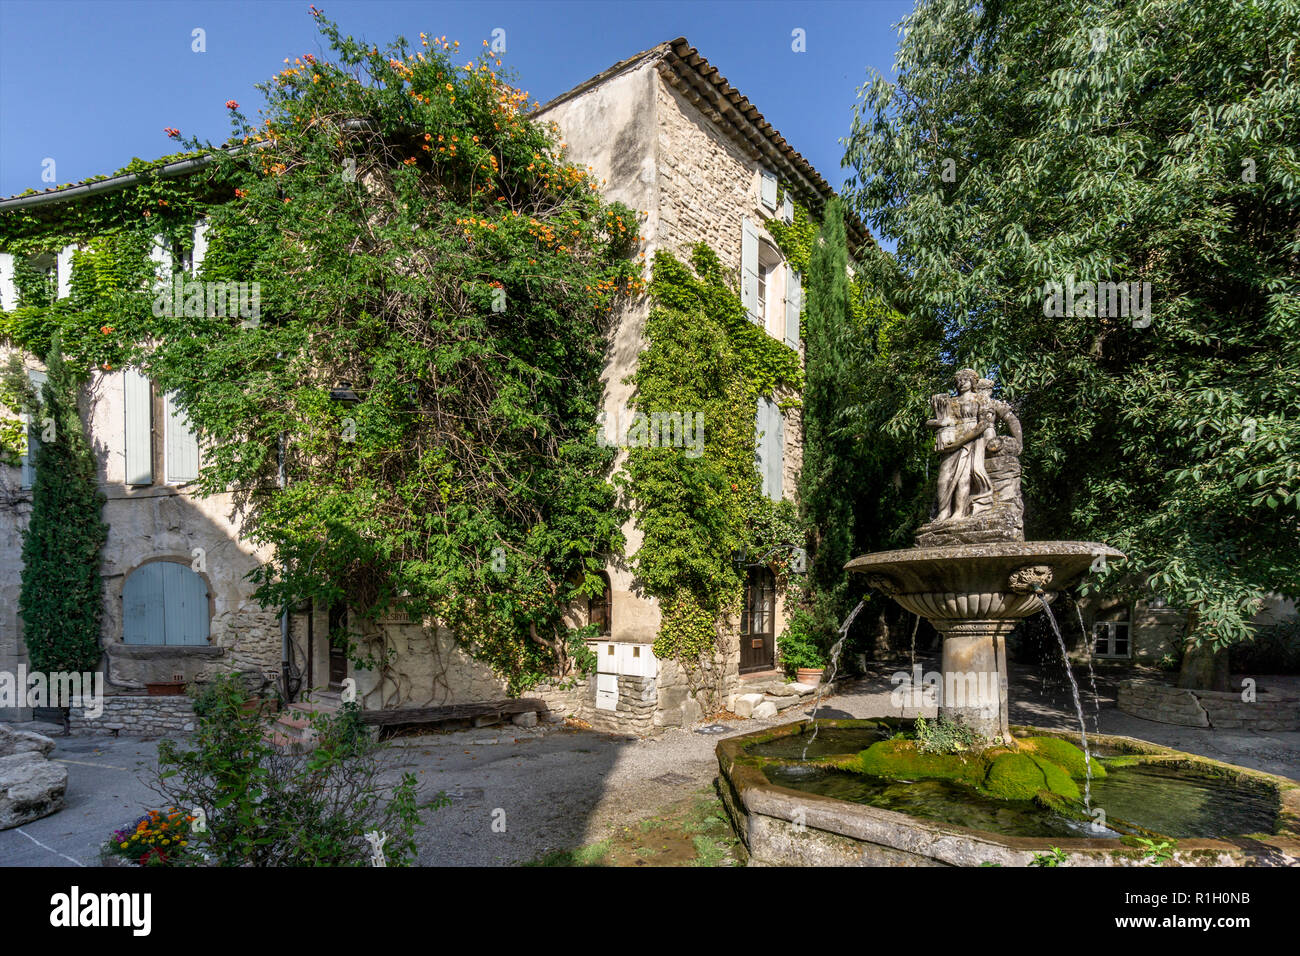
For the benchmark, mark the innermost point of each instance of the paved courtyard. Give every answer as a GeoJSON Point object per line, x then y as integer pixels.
{"type": "Point", "coordinates": [564, 787]}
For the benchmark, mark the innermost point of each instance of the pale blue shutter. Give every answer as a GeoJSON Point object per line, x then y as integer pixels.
{"type": "Point", "coordinates": [787, 209]}
{"type": "Point", "coordinates": [164, 602]}
{"type": "Point", "coordinates": [137, 399]}
{"type": "Point", "coordinates": [33, 418]}
{"type": "Point", "coordinates": [776, 453]}
{"type": "Point", "coordinates": [793, 299]}
{"type": "Point", "coordinates": [749, 270]}
{"type": "Point", "coordinates": [142, 605]}
{"type": "Point", "coordinates": [182, 444]}
{"type": "Point", "coordinates": [185, 605]}
{"type": "Point", "coordinates": [767, 190]}
{"type": "Point", "coordinates": [63, 271]}
{"type": "Point", "coordinates": [760, 441]}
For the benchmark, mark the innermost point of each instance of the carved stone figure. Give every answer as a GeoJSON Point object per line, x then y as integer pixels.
{"type": "Point", "coordinates": [979, 469]}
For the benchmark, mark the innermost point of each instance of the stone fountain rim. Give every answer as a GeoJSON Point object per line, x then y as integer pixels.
{"type": "Point", "coordinates": [1028, 550]}
{"type": "Point", "coordinates": [950, 843]}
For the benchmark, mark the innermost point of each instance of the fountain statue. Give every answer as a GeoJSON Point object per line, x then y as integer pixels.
{"type": "Point", "coordinates": [972, 574]}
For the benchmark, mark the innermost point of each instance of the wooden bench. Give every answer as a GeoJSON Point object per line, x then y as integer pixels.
{"type": "Point", "coordinates": [478, 714]}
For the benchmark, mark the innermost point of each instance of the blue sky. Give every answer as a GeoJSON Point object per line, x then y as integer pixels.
{"type": "Point", "coordinates": [92, 84]}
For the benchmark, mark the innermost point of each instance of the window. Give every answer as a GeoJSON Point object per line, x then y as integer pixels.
{"type": "Point", "coordinates": [1111, 639]}
{"type": "Point", "coordinates": [599, 609]}
{"type": "Point", "coordinates": [165, 603]}
{"type": "Point", "coordinates": [137, 404]}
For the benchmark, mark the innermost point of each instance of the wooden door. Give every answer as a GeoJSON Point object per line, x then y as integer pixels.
{"type": "Point", "coordinates": [758, 622]}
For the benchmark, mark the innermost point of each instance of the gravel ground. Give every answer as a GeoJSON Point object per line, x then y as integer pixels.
{"type": "Point", "coordinates": [517, 794]}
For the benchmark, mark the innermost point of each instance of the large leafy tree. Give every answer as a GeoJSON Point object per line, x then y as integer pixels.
{"type": "Point", "coordinates": [1027, 142]}
{"type": "Point", "coordinates": [425, 252]}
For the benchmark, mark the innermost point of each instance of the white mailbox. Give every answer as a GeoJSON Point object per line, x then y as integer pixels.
{"type": "Point", "coordinates": [637, 660]}
{"type": "Point", "coordinates": [607, 657]}
{"type": "Point", "coordinates": [606, 692]}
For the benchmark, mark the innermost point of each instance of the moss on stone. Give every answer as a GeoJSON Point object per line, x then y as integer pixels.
{"type": "Point", "coordinates": [900, 760]}
{"type": "Point", "coordinates": [1058, 780]}
{"type": "Point", "coordinates": [1064, 754]}
{"type": "Point", "coordinates": [1014, 776]}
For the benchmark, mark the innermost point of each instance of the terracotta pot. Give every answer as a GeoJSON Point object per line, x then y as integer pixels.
{"type": "Point", "coordinates": [166, 688]}
{"type": "Point", "coordinates": [809, 675]}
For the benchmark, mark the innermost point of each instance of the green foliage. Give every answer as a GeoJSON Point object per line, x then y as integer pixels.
{"type": "Point", "coordinates": [1054, 857]}
{"type": "Point", "coordinates": [1166, 153]}
{"type": "Point", "coordinates": [703, 357]}
{"type": "Point", "coordinates": [413, 234]}
{"type": "Point", "coordinates": [1158, 853]}
{"type": "Point", "coordinates": [799, 645]}
{"type": "Point", "coordinates": [61, 601]}
{"type": "Point", "coordinates": [944, 736]}
{"type": "Point", "coordinates": [264, 807]}
{"type": "Point", "coordinates": [862, 485]}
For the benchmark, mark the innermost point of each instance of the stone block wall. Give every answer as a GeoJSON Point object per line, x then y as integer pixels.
{"type": "Point", "coordinates": [136, 716]}
{"type": "Point", "coordinates": [1221, 710]}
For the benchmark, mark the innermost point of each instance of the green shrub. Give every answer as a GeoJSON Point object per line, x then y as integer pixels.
{"type": "Point", "coordinates": [944, 736]}
{"type": "Point", "coordinates": [799, 645]}
{"type": "Point", "coordinates": [261, 806]}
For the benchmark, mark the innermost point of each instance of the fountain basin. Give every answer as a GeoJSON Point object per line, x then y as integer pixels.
{"type": "Point", "coordinates": [974, 594]}
{"type": "Point", "coordinates": [782, 825]}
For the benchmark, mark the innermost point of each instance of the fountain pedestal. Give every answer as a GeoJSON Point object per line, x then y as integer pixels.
{"type": "Point", "coordinates": [974, 595]}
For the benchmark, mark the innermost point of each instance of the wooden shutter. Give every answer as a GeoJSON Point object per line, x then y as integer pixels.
{"type": "Point", "coordinates": [185, 605]}
{"type": "Point", "coordinates": [63, 271]}
{"type": "Point", "coordinates": [749, 270]}
{"type": "Point", "coordinates": [161, 255]}
{"type": "Point", "coordinates": [37, 378]}
{"type": "Point", "coordinates": [164, 602]}
{"type": "Point", "coordinates": [137, 399]}
{"type": "Point", "coordinates": [793, 300]}
{"type": "Point", "coordinates": [200, 247]}
{"type": "Point", "coordinates": [767, 190]}
{"type": "Point", "coordinates": [8, 288]}
{"type": "Point", "coordinates": [776, 452]}
{"type": "Point", "coordinates": [182, 444]}
{"type": "Point", "coordinates": [769, 454]}
{"type": "Point", "coordinates": [142, 605]}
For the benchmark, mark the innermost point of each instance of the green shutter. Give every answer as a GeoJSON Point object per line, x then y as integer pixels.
{"type": "Point", "coordinates": [137, 398]}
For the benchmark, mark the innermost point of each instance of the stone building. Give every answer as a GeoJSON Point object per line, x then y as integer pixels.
{"type": "Point", "coordinates": [670, 137]}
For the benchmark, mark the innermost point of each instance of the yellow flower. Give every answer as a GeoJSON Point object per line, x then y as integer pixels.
{"type": "Point", "coordinates": [123, 846]}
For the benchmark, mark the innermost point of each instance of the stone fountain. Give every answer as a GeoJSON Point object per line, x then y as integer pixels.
{"type": "Point", "coordinates": [972, 574]}
{"type": "Point", "coordinates": [855, 792]}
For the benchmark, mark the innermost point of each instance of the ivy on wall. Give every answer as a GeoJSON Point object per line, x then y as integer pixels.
{"type": "Point", "coordinates": [703, 357]}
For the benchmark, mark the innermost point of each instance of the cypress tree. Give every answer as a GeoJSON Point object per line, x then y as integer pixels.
{"type": "Point", "coordinates": [61, 601]}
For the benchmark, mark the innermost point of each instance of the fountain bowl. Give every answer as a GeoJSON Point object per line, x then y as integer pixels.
{"type": "Point", "coordinates": [782, 826]}
{"type": "Point", "coordinates": [974, 594]}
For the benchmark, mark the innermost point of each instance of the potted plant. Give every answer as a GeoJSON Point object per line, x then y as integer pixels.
{"type": "Point", "coordinates": [801, 655]}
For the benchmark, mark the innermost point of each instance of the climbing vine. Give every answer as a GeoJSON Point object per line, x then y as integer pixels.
{"type": "Point", "coordinates": [704, 357]}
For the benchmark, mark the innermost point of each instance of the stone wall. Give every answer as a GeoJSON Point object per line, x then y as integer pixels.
{"type": "Point", "coordinates": [136, 716]}
{"type": "Point", "coordinates": [1221, 710]}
